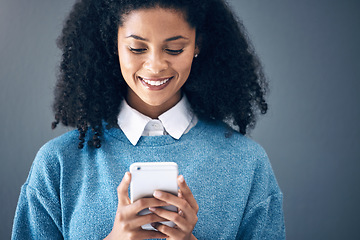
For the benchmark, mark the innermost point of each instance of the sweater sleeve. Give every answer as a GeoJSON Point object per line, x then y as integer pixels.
{"type": "Point", "coordinates": [263, 217]}
{"type": "Point", "coordinates": [264, 221]}
{"type": "Point", "coordinates": [38, 213]}
{"type": "Point", "coordinates": [37, 217]}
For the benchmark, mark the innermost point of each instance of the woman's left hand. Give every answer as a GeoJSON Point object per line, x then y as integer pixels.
{"type": "Point", "coordinates": [185, 219]}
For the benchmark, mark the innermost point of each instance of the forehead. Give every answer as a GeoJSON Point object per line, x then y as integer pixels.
{"type": "Point", "coordinates": [155, 21]}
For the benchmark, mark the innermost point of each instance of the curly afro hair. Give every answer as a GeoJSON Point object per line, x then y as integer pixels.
{"type": "Point", "coordinates": [226, 81]}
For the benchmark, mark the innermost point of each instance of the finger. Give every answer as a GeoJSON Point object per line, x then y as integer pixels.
{"type": "Point", "coordinates": [130, 212]}
{"type": "Point", "coordinates": [180, 194]}
{"type": "Point", "coordinates": [122, 190]}
{"type": "Point", "coordinates": [171, 199]}
{"type": "Point", "coordinates": [187, 194]}
{"type": "Point", "coordinates": [143, 203]}
{"type": "Point", "coordinates": [149, 218]}
{"type": "Point", "coordinates": [136, 223]}
{"type": "Point", "coordinates": [169, 231]}
{"type": "Point", "coordinates": [174, 217]}
{"type": "Point", "coordinates": [187, 211]}
{"type": "Point", "coordinates": [149, 234]}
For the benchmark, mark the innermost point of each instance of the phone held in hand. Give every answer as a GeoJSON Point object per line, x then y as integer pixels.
{"type": "Point", "coordinates": [146, 177]}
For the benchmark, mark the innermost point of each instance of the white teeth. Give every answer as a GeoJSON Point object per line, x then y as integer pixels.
{"type": "Point", "coordinates": [155, 83]}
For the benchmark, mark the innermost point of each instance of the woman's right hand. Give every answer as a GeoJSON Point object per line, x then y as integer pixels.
{"type": "Point", "coordinates": [127, 224]}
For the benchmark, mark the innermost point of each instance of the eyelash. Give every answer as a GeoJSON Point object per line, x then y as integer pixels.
{"type": "Point", "coordinates": [169, 51]}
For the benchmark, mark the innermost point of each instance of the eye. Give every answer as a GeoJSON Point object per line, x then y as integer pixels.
{"type": "Point", "coordinates": [137, 50]}
{"type": "Point", "coordinates": [174, 52]}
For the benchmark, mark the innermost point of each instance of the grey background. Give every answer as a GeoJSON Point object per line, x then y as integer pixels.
{"type": "Point", "coordinates": [310, 50]}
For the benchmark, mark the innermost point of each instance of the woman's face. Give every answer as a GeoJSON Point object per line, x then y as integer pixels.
{"type": "Point", "coordinates": [156, 48]}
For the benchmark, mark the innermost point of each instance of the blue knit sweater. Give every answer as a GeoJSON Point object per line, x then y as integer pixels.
{"type": "Point", "coordinates": [71, 193]}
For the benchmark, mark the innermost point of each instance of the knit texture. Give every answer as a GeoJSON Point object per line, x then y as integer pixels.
{"type": "Point", "coordinates": [71, 193]}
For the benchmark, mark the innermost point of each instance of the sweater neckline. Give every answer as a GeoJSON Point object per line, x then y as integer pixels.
{"type": "Point", "coordinates": [146, 141]}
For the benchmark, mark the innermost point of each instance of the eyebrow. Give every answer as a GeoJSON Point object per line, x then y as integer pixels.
{"type": "Point", "coordinates": [166, 40]}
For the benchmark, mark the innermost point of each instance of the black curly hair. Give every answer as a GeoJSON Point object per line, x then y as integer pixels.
{"type": "Point", "coordinates": [226, 81]}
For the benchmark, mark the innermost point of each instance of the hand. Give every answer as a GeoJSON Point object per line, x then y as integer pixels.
{"type": "Point", "coordinates": [127, 224]}
{"type": "Point", "coordinates": [185, 219]}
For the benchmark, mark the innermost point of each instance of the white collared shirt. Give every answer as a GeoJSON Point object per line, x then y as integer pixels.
{"type": "Point", "coordinates": [175, 122]}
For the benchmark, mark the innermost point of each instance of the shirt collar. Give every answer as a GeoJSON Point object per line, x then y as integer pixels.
{"type": "Point", "coordinates": [175, 121]}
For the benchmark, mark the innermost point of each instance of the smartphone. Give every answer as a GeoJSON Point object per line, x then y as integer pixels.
{"type": "Point", "coordinates": [146, 177]}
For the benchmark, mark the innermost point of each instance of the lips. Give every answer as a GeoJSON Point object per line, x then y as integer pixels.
{"type": "Point", "coordinates": [155, 83]}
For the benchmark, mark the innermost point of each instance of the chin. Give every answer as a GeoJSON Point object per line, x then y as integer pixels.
{"type": "Point", "coordinates": [155, 103]}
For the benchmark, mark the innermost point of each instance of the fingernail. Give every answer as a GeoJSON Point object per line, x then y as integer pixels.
{"type": "Point", "coordinates": [157, 194]}
{"type": "Point", "coordinates": [152, 209]}
{"type": "Point", "coordinates": [181, 178]}
{"type": "Point", "coordinates": [126, 176]}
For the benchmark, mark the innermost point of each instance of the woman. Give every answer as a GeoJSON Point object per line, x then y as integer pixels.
{"type": "Point", "coordinates": [153, 81]}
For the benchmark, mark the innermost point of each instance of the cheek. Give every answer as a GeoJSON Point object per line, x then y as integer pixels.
{"type": "Point", "coordinates": [128, 64]}
{"type": "Point", "coordinates": [184, 66]}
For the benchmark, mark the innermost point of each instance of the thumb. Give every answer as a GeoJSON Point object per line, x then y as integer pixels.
{"type": "Point", "coordinates": [122, 190]}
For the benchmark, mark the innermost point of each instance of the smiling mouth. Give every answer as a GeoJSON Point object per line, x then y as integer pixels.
{"type": "Point", "coordinates": [155, 84]}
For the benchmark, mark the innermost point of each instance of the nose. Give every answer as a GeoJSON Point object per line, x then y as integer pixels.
{"type": "Point", "coordinates": [156, 62]}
